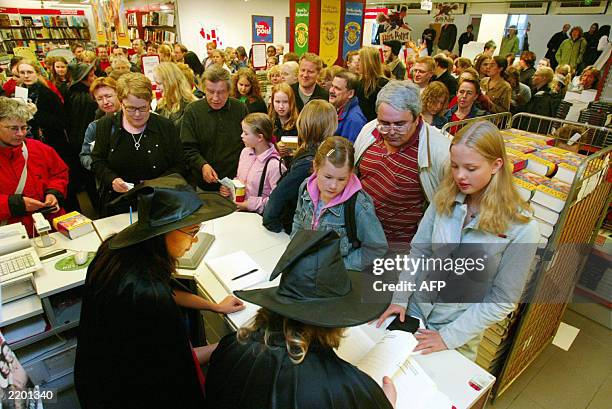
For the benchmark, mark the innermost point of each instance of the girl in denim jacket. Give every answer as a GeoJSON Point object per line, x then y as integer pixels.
{"type": "Point", "coordinates": [321, 204]}
{"type": "Point", "coordinates": [258, 156]}
{"type": "Point", "coordinates": [478, 209]}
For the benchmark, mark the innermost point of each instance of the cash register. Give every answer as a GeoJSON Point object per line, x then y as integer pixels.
{"type": "Point", "coordinates": [18, 261]}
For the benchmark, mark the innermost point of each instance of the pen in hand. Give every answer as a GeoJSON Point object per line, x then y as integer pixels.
{"type": "Point", "coordinates": [245, 274]}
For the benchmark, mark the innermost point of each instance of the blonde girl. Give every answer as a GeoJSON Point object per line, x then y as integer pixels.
{"type": "Point", "coordinates": [176, 91]}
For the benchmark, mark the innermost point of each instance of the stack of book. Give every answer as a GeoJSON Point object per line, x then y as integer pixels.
{"type": "Point", "coordinates": [495, 343]}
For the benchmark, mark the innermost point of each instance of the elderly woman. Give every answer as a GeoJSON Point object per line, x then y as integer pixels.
{"type": "Point", "coordinates": [119, 66]}
{"type": "Point", "coordinates": [131, 329]}
{"type": "Point", "coordinates": [133, 145]}
{"type": "Point", "coordinates": [289, 72]}
{"type": "Point", "coordinates": [285, 358]}
{"type": "Point", "coordinates": [104, 92]}
{"type": "Point", "coordinates": [44, 181]}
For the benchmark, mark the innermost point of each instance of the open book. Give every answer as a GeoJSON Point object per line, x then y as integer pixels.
{"type": "Point", "coordinates": [379, 352]}
{"type": "Point", "coordinates": [237, 271]}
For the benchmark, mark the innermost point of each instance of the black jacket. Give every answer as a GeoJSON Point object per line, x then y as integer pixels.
{"type": "Point", "coordinates": [212, 137]}
{"type": "Point", "coordinates": [133, 350]}
{"type": "Point", "coordinates": [464, 39]}
{"type": "Point", "coordinates": [319, 93]}
{"type": "Point", "coordinates": [280, 209]}
{"type": "Point", "coordinates": [49, 119]}
{"type": "Point", "coordinates": [164, 156]}
{"type": "Point", "coordinates": [257, 106]}
{"type": "Point", "coordinates": [543, 102]}
{"type": "Point", "coordinates": [526, 75]}
{"type": "Point", "coordinates": [81, 110]}
{"type": "Point", "coordinates": [368, 104]}
{"type": "Point", "coordinates": [449, 81]}
{"type": "Point", "coordinates": [553, 45]}
{"type": "Point", "coordinates": [448, 36]}
{"type": "Point", "coordinates": [266, 378]}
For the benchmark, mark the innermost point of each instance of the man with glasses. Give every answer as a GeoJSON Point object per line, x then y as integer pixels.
{"type": "Point", "coordinates": [33, 177]}
{"type": "Point", "coordinates": [133, 145]}
{"type": "Point", "coordinates": [400, 160]}
{"type": "Point", "coordinates": [211, 131]}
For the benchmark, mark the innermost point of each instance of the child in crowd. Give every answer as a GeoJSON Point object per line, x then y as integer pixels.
{"type": "Point", "coordinates": [259, 167]}
{"type": "Point", "coordinates": [478, 209]}
{"type": "Point", "coordinates": [329, 194]}
{"type": "Point", "coordinates": [435, 100]}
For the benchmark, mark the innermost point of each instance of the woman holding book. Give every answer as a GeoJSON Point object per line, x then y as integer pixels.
{"type": "Point", "coordinates": [477, 212]}
{"type": "Point", "coordinates": [285, 358]}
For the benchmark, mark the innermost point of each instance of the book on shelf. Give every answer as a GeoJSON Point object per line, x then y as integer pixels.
{"type": "Point", "coordinates": [5, 20]}
{"type": "Point", "coordinates": [73, 224]}
{"type": "Point", "coordinates": [552, 194]}
{"type": "Point", "coordinates": [37, 20]}
{"type": "Point", "coordinates": [15, 19]}
{"type": "Point", "coordinates": [27, 21]}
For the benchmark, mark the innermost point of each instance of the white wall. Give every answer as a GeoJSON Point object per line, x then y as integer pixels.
{"type": "Point", "coordinates": [233, 17]}
{"type": "Point", "coordinates": [543, 27]}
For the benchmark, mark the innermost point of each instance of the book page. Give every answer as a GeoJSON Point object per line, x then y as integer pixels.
{"type": "Point", "coordinates": [415, 389]}
{"type": "Point", "coordinates": [388, 355]}
{"type": "Point", "coordinates": [237, 271]}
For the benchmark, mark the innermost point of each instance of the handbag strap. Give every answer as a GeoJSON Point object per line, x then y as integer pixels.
{"type": "Point", "coordinates": [23, 178]}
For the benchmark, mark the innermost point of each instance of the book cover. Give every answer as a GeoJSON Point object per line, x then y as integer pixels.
{"type": "Point", "coordinates": [5, 20]}
{"type": "Point", "coordinates": [552, 194]}
{"type": "Point", "coordinates": [518, 159]}
{"type": "Point", "coordinates": [73, 224]}
{"type": "Point", "coordinates": [15, 19]}
{"type": "Point", "coordinates": [526, 183]}
{"type": "Point", "coordinates": [37, 20]}
{"type": "Point", "coordinates": [543, 163]}
{"type": "Point", "coordinates": [521, 145]}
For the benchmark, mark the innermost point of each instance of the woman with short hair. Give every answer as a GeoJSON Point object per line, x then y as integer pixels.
{"type": "Point", "coordinates": [133, 145]}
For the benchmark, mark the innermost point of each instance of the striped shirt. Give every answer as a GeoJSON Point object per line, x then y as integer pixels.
{"type": "Point", "coordinates": [392, 179]}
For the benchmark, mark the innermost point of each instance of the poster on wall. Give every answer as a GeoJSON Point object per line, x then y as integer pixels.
{"type": "Point", "coordinates": [262, 27]}
{"type": "Point", "coordinates": [99, 18]}
{"type": "Point", "coordinates": [353, 30]}
{"type": "Point", "coordinates": [149, 63]}
{"type": "Point", "coordinates": [330, 28]}
{"type": "Point", "coordinates": [302, 15]}
{"type": "Point", "coordinates": [259, 56]}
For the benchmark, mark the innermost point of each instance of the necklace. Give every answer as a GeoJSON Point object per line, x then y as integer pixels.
{"type": "Point", "coordinates": [136, 141]}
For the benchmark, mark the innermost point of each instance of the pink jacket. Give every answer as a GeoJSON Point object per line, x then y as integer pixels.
{"type": "Point", "coordinates": [250, 168]}
{"type": "Point", "coordinates": [352, 187]}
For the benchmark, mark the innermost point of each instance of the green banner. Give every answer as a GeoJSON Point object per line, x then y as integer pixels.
{"type": "Point", "coordinates": [302, 12]}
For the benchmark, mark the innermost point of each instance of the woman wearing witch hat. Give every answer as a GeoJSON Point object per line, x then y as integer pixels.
{"type": "Point", "coordinates": [133, 350]}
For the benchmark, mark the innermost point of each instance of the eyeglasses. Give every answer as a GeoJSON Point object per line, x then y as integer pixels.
{"type": "Point", "coordinates": [191, 234]}
{"type": "Point", "coordinates": [131, 110]}
{"type": "Point", "coordinates": [15, 129]}
{"type": "Point", "coordinates": [398, 127]}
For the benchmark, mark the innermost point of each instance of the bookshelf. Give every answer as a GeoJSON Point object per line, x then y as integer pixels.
{"type": "Point", "coordinates": [34, 27]}
{"type": "Point", "coordinates": [154, 22]}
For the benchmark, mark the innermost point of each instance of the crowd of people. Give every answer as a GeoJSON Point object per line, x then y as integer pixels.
{"type": "Point", "coordinates": [371, 165]}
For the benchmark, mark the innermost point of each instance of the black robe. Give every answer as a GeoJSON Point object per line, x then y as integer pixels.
{"type": "Point", "coordinates": [133, 350]}
{"type": "Point", "coordinates": [253, 376]}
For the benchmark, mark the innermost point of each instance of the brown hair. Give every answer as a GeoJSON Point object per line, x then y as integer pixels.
{"type": "Point", "coordinates": [313, 58]}
{"type": "Point", "coordinates": [36, 66]}
{"type": "Point", "coordinates": [338, 151]}
{"type": "Point", "coordinates": [350, 56]}
{"type": "Point", "coordinates": [102, 82]}
{"type": "Point", "coordinates": [259, 123]}
{"type": "Point", "coordinates": [476, 84]}
{"type": "Point", "coordinates": [463, 62]}
{"type": "Point", "coordinates": [479, 61]}
{"type": "Point", "coordinates": [135, 84]}
{"type": "Point", "coordinates": [54, 76]}
{"type": "Point", "coordinates": [529, 57]}
{"type": "Point", "coordinates": [371, 69]}
{"type": "Point", "coordinates": [298, 336]}
{"type": "Point", "coordinates": [255, 92]}
{"type": "Point", "coordinates": [433, 91]}
{"type": "Point", "coordinates": [472, 72]}
{"type": "Point", "coordinates": [317, 121]}
{"type": "Point", "coordinates": [352, 81]}
{"type": "Point", "coordinates": [293, 112]}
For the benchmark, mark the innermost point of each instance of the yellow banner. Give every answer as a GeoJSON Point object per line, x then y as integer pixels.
{"type": "Point", "coordinates": [329, 39]}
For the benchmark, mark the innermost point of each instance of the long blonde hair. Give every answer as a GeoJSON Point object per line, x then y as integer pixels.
{"type": "Point", "coordinates": [298, 336]}
{"type": "Point", "coordinates": [371, 69]}
{"type": "Point", "coordinates": [500, 204]}
{"type": "Point", "coordinates": [176, 87]}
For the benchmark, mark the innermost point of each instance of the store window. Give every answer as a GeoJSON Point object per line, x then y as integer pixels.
{"type": "Point", "coordinates": [522, 24]}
